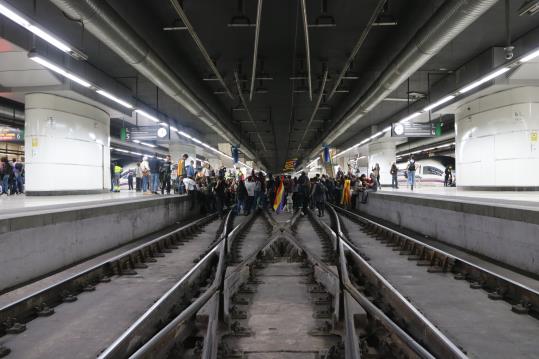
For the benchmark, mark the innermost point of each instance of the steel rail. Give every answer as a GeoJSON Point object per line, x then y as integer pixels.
{"type": "Point", "coordinates": [315, 110]}
{"type": "Point", "coordinates": [359, 43]}
{"type": "Point", "coordinates": [24, 308]}
{"type": "Point", "coordinates": [307, 47]}
{"type": "Point", "coordinates": [406, 340]}
{"type": "Point", "coordinates": [514, 291]}
{"type": "Point", "coordinates": [424, 329]}
{"type": "Point", "coordinates": [255, 51]}
{"type": "Point", "coordinates": [179, 10]}
{"type": "Point", "coordinates": [137, 334]}
{"type": "Point", "coordinates": [244, 103]}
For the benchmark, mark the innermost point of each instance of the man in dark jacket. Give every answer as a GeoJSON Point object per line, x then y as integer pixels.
{"type": "Point", "coordinates": [155, 166]}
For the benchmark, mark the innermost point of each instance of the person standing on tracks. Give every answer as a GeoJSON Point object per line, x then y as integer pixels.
{"type": "Point", "coordinates": [241, 196]}
{"type": "Point", "coordinates": [191, 188]}
{"type": "Point", "coordinates": [303, 192]}
{"type": "Point", "coordinates": [394, 173]}
{"type": "Point", "coordinates": [250, 186]}
{"type": "Point", "coordinates": [411, 172]}
{"type": "Point", "coordinates": [220, 195]}
{"type": "Point", "coordinates": [319, 196]}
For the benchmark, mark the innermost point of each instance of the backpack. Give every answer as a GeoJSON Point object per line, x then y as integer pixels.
{"type": "Point", "coordinates": [319, 190]}
{"type": "Point", "coordinates": [411, 166]}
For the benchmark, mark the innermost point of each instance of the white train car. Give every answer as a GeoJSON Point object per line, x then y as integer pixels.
{"type": "Point", "coordinates": [429, 172]}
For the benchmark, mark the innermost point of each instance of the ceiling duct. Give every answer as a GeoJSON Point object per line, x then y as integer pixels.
{"type": "Point", "coordinates": [452, 18]}
{"type": "Point", "coordinates": [102, 21]}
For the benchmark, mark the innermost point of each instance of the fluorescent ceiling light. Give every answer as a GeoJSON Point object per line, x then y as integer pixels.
{"type": "Point", "coordinates": [45, 63]}
{"type": "Point", "coordinates": [531, 56]}
{"type": "Point", "coordinates": [173, 128]}
{"type": "Point", "coordinates": [136, 141]}
{"type": "Point", "coordinates": [439, 102]}
{"type": "Point", "coordinates": [184, 134]}
{"type": "Point", "coordinates": [388, 128]}
{"type": "Point", "coordinates": [410, 117]}
{"type": "Point", "coordinates": [147, 144]}
{"type": "Point", "coordinates": [59, 44]}
{"type": "Point", "coordinates": [164, 124]}
{"type": "Point", "coordinates": [114, 98]}
{"type": "Point", "coordinates": [147, 115]}
{"type": "Point", "coordinates": [135, 153]}
{"type": "Point", "coordinates": [484, 79]}
{"type": "Point", "coordinates": [14, 16]}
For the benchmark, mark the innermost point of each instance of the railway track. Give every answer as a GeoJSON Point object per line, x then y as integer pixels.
{"type": "Point", "coordinates": [304, 288]}
{"type": "Point", "coordinates": [487, 314]}
{"type": "Point", "coordinates": [77, 316]}
{"type": "Point", "coordinates": [275, 298]}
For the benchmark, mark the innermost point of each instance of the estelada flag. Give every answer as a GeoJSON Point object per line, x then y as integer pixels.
{"type": "Point", "coordinates": [278, 203]}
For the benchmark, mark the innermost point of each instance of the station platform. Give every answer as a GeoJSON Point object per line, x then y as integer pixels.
{"type": "Point", "coordinates": [41, 235]}
{"type": "Point", "coordinates": [16, 205]}
{"type": "Point", "coordinates": [501, 226]}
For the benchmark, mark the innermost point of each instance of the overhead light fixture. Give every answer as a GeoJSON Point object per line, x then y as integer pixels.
{"type": "Point", "coordinates": [147, 115]}
{"type": "Point", "coordinates": [531, 56]}
{"type": "Point", "coordinates": [114, 98]}
{"type": "Point", "coordinates": [148, 144]}
{"type": "Point", "coordinates": [173, 128]}
{"type": "Point", "coordinates": [438, 103]}
{"type": "Point", "coordinates": [484, 79]}
{"type": "Point", "coordinates": [23, 21]}
{"type": "Point", "coordinates": [410, 117]}
{"type": "Point", "coordinates": [46, 63]}
{"type": "Point", "coordinates": [529, 7]}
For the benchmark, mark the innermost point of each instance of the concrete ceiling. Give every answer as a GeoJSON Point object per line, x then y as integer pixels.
{"type": "Point", "coordinates": [280, 113]}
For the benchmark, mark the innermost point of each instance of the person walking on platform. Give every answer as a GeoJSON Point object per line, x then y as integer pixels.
{"type": "Point", "coordinates": [448, 176]}
{"type": "Point", "coordinates": [155, 167]}
{"type": "Point", "coordinates": [6, 171]}
{"type": "Point", "coordinates": [117, 175]}
{"type": "Point", "coordinates": [138, 178]}
{"type": "Point", "coordinates": [130, 179]}
{"type": "Point", "coordinates": [411, 172]}
{"type": "Point", "coordinates": [376, 171]}
{"type": "Point", "coordinates": [145, 167]}
{"type": "Point", "coordinates": [18, 169]}
{"type": "Point", "coordinates": [394, 173]}
{"type": "Point", "coordinates": [166, 171]}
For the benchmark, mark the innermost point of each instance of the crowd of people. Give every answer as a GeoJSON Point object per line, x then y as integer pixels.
{"type": "Point", "coordinates": [11, 176]}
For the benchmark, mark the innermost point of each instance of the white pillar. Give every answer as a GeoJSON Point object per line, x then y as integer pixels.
{"type": "Point", "coordinates": [383, 153]}
{"type": "Point", "coordinates": [67, 146]}
{"type": "Point", "coordinates": [177, 148]}
{"type": "Point", "coordinates": [497, 140]}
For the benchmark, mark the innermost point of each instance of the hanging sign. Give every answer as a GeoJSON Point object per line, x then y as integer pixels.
{"type": "Point", "coordinates": [290, 165]}
{"type": "Point", "coordinates": [145, 133]}
{"type": "Point", "coordinates": [9, 134]}
{"type": "Point", "coordinates": [413, 130]}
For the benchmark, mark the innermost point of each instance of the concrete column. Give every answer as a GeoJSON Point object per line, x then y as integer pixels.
{"type": "Point", "coordinates": [178, 148]}
{"type": "Point", "coordinates": [384, 153]}
{"type": "Point", "coordinates": [66, 146]}
{"type": "Point", "coordinates": [497, 141]}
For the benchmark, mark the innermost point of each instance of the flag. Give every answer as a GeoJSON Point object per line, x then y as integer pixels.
{"type": "Point", "coordinates": [346, 197]}
{"type": "Point", "coordinates": [278, 203]}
